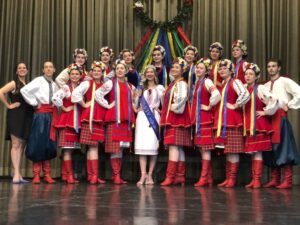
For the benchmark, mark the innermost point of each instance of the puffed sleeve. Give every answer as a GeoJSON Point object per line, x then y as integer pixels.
{"type": "Point", "coordinates": [180, 97]}
{"type": "Point", "coordinates": [78, 93]}
{"type": "Point", "coordinates": [109, 76]}
{"type": "Point", "coordinates": [215, 95]}
{"type": "Point", "coordinates": [28, 92]}
{"type": "Point", "coordinates": [161, 93]}
{"type": "Point", "coordinates": [59, 95]}
{"type": "Point", "coordinates": [294, 90]}
{"type": "Point", "coordinates": [242, 92]}
{"type": "Point", "coordinates": [269, 99]}
{"type": "Point", "coordinates": [135, 96]}
{"type": "Point", "coordinates": [62, 78]}
{"type": "Point", "coordinates": [101, 92]}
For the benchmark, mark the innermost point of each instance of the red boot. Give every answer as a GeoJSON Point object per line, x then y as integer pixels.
{"type": "Point", "coordinates": [36, 170]}
{"type": "Point", "coordinates": [170, 174]}
{"type": "Point", "coordinates": [275, 178]}
{"type": "Point", "coordinates": [250, 185]}
{"type": "Point", "coordinates": [180, 174]}
{"type": "Point", "coordinates": [69, 169]}
{"type": "Point", "coordinates": [228, 167]}
{"type": "Point", "coordinates": [94, 177]}
{"type": "Point", "coordinates": [116, 165]}
{"type": "Point", "coordinates": [47, 172]}
{"type": "Point", "coordinates": [233, 174]}
{"type": "Point", "coordinates": [288, 178]}
{"type": "Point", "coordinates": [210, 177]}
{"type": "Point", "coordinates": [258, 169]}
{"type": "Point", "coordinates": [89, 171]}
{"type": "Point", "coordinates": [203, 180]}
{"type": "Point", "coordinates": [64, 173]}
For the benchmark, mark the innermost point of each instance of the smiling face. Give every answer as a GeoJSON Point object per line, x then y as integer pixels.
{"type": "Point", "coordinates": [237, 53]}
{"type": "Point", "coordinates": [176, 70]}
{"type": "Point", "coordinates": [97, 73]}
{"type": "Point", "coordinates": [224, 72]}
{"type": "Point", "coordinates": [127, 57]}
{"type": "Point", "coordinates": [105, 57]}
{"type": "Point", "coordinates": [75, 76]}
{"type": "Point", "coordinates": [215, 54]}
{"type": "Point", "coordinates": [150, 74]}
{"type": "Point", "coordinates": [80, 59]}
{"type": "Point", "coordinates": [120, 71]}
{"type": "Point", "coordinates": [200, 70]}
{"type": "Point", "coordinates": [189, 56]}
{"type": "Point", "coordinates": [250, 77]}
{"type": "Point", "coordinates": [22, 70]}
{"type": "Point", "coordinates": [157, 56]}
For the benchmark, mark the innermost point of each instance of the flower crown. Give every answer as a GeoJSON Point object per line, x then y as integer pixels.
{"type": "Point", "coordinates": [126, 50]}
{"type": "Point", "coordinates": [80, 51]}
{"type": "Point", "coordinates": [74, 66]}
{"type": "Point", "coordinates": [161, 49]}
{"type": "Point", "coordinates": [251, 66]}
{"type": "Point", "coordinates": [181, 62]}
{"type": "Point", "coordinates": [108, 50]}
{"type": "Point", "coordinates": [99, 64]}
{"type": "Point", "coordinates": [190, 47]}
{"type": "Point", "coordinates": [218, 46]}
{"type": "Point", "coordinates": [240, 44]}
{"type": "Point", "coordinates": [228, 64]}
{"type": "Point", "coordinates": [121, 61]}
{"type": "Point", "coordinates": [207, 63]}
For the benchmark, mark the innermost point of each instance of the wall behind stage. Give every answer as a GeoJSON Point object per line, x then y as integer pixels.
{"type": "Point", "coordinates": [37, 30]}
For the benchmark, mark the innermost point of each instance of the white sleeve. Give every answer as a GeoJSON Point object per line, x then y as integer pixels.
{"type": "Point", "coordinates": [268, 99]}
{"type": "Point", "coordinates": [242, 92]}
{"type": "Point", "coordinates": [215, 95]}
{"type": "Point", "coordinates": [294, 90]}
{"type": "Point", "coordinates": [62, 78]}
{"type": "Point", "coordinates": [28, 92]}
{"type": "Point", "coordinates": [135, 96]}
{"type": "Point", "coordinates": [180, 97]}
{"type": "Point", "coordinates": [78, 93]}
{"type": "Point", "coordinates": [161, 93]}
{"type": "Point", "coordinates": [109, 76]}
{"type": "Point", "coordinates": [59, 95]}
{"type": "Point", "coordinates": [101, 92]}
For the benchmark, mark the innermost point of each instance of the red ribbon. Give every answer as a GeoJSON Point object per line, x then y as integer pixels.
{"type": "Point", "coordinates": [143, 40]}
{"type": "Point", "coordinates": [183, 35]}
{"type": "Point", "coordinates": [47, 108]}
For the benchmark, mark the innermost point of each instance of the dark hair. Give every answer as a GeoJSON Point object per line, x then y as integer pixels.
{"type": "Point", "coordinates": [19, 84]}
{"type": "Point", "coordinates": [278, 61]}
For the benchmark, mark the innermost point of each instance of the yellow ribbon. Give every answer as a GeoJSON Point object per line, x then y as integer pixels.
{"type": "Point", "coordinates": [216, 72]}
{"type": "Point", "coordinates": [92, 107]}
{"type": "Point", "coordinates": [171, 43]}
{"type": "Point", "coordinates": [221, 111]}
{"type": "Point", "coordinates": [252, 118]}
{"type": "Point", "coordinates": [190, 79]}
{"type": "Point", "coordinates": [118, 99]}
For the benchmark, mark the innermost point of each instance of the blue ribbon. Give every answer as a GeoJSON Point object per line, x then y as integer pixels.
{"type": "Point", "coordinates": [225, 110]}
{"type": "Point", "coordinates": [236, 69]}
{"type": "Point", "coordinates": [255, 93]}
{"type": "Point", "coordinates": [159, 37]}
{"type": "Point", "coordinates": [129, 105]}
{"type": "Point", "coordinates": [116, 100]}
{"type": "Point", "coordinates": [192, 81]}
{"type": "Point", "coordinates": [199, 106]}
{"type": "Point", "coordinates": [150, 116]}
{"type": "Point", "coordinates": [167, 48]}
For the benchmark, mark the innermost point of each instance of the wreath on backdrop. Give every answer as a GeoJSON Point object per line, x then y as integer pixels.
{"type": "Point", "coordinates": [169, 34]}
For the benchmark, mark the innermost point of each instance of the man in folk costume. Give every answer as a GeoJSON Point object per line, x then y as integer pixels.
{"type": "Point", "coordinates": [257, 125]}
{"type": "Point", "coordinates": [215, 54]}
{"type": "Point", "coordinates": [239, 53]}
{"type": "Point", "coordinates": [228, 121]}
{"type": "Point", "coordinates": [80, 59]}
{"type": "Point", "coordinates": [205, 96]}
{"type": "Point", "coordinates": [175, 118]}
{"type": "Point", "coordinates": [284, 152]}
{"type": "Point", "coordinates": [190, 54]}
{"type": "Point", "coordinates": [41, 145]}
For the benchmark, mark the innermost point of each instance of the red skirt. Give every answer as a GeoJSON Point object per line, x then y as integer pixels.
{"type": "Point", "coordinates": [179, 136]}
{"type": "Point", "coordinates": [259, 142]}
{"type": "Point", "coordinates": [114, 135]}
{"type": "Point", "coordinates": [233, 141]}
{"type": "Point", "coordinates": [205, 138]}
{"type": "Point", "coordinates": [88, 138]}
{"type": "Point", "coordinates": [68, 138]}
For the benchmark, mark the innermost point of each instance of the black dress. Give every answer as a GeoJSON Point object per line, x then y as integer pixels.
{"type": "Point", "coordinates": [18, 120]}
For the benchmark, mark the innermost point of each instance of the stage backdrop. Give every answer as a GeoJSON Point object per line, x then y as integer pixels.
{"type": "Point", "coordinates": [37, 30]}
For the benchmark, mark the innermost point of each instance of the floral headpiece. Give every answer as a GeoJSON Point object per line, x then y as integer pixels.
{"type": "Point", "coordinates": [74, 66]}
{"type": "Point", "coordinates": [126, 50]}
{"type": "Point", "coordinates": [80, 51]}
{"type": "Point", "coordinates": [207, 63]}
{"type": "Point", "coordinates": [161, 49]}
{"type": "Point", "coordinates": [190, 47]}
{"type": "Point", "coordinates": [251, 66]}
{"type": "Point", "coordinates": [121, 61]}
{"type": "Point", "coordinates": [108, 50]}
{"type": "Point", "coordinates": [99, 64]}
{"type": "Point", "coordinates": [228, 64]}
{"type": "Point", "coordinates": [218, 46]}
{"type": "Point", "coordinates": [181, 62]}
{"type": "Point", "coordinates": [240, 44]}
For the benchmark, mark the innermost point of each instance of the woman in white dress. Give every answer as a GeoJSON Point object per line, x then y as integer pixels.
{"type": "Point", "coordinates": [147, 124]}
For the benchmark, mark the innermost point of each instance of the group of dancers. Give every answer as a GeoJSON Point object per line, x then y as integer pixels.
{"type": "Point", "coordinates": [205, 103]}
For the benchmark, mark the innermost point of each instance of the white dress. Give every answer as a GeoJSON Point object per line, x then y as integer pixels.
{"type": "Point", "coordinates": [146, 142]}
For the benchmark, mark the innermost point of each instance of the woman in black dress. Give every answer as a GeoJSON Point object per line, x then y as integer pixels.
{"type": "Point", "coordinates": [19, 117]}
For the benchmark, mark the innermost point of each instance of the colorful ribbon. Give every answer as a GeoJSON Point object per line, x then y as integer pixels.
{"type": "Point", "coordinates": [143, 40]}
{"type": "Point", "coordinates": [183, 36]}
{"type": "Point", "coordinates": [198, 109]}
{"type": "Point", "coordinates": [190, 81]}
{"type": "Point", "coordinates": [170, 94]}
{"type": "Point", "coordinates": [76, 118]}
{"type": "Point", "coordinates": [215, 75]}
{"type": "Point", "coordinates": [92, 108]}
{"type": "Point", "coordinates": [117, 101]}
{"type": "Point", "coordinates": [171, 43]}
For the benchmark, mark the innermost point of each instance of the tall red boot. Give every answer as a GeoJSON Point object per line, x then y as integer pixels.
{"type": "Point", "coordinates": [233, 174]}
{"type": "Point", "coordinates": [89, 171]}
{"type": "Point", "coordinates": [228, 167]}
{"type": "Point", "coordinates": [94, 179]}
{"type": "Point", "coordinates": [210, 176]}
{"type": "Point", "coordinates": [180, 173]}
{"type": "Point", "coordinates": [64, 173]}
{"type": "Point", "coordinates": [47, 172]}
{"type": "Point", "coordinates": [250, 185]}
{"type": "Point", "coordinates": [116, 165]}
{"type": "Point", "coordinates": [275, 178]}
{"type": "Point", "coordinates": [36, 170]}
{"type": "Point", "coordinates": [69, 169]}
{"type": "Point", "coordinates": [203, 180]}
{"type": "Point", "coordinates": [257, 173]}
{"type": "Point", "coordinates": [170, 173]}
{"type": "Point", "coordinates": [288, 178]}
